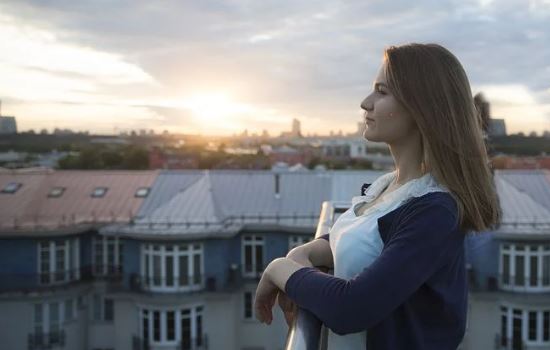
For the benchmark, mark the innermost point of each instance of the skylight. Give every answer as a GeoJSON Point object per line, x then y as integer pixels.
{"type": "Point", "coordinates": [12, 187]}
{"type": "Point", "coordinates": [142, 192]}
{"type": "Point", "coordinates": [56, 192]}
{"type": "Point", "coordinates": [99, 192]}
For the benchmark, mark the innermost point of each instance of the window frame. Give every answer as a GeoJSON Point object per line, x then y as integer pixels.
{"type": "Point", "coordinates": [69, 252]}
{"type": "Point", "coordinates": [506, 312]}
{"type": "Point", "coordinates": [510, 253]}
{"type": "Point", "coordinates": [101, 244]}
{"type": "Point", "coordinates": [192, 312]}
{"type": "Point", "coordinates": [164, 252]}
{"type": "Point", "coordinates": [7, 190]}
{"type": "Point", "coordinates": [255, 241]}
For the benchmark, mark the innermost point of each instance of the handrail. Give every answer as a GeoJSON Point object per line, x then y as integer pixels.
{"type": "Point", "coordinates": [306, 331]}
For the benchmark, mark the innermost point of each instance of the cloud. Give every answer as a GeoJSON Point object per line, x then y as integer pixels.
{"type": "Point", "coordinates": [312, 59]}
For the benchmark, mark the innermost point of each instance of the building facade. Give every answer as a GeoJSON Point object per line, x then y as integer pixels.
{"type": "Point", "coordinates": [171, 259]}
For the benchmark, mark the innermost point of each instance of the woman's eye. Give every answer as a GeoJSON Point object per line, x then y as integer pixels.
{"type": "Point", "coordinates": [380, 91]}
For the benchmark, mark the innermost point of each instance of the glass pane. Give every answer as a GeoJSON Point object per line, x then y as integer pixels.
{"type": "Point", "coordinates": [156, 270]}
{"type": "Point", "coordinates": [197, 278]}
{"type": "Point", "coordinates": [259, 258]}
{"type": "Point", "coordinates": [60, 261]}
{"type": "Point", "coordinates": [156, 326]}
{"type": "Point", "coordinates": [98, 258]}
{"type": "Point", "coordinates": [546, 326]}
{"type": "Point", "coordinates": [199, 330]}
{"type": "Point", "coordinates": [169, 271]}
{"type": "Point", "coordinates": [145, 326]}
{"type": "Point", "coordinates": [248, 258]}
{"type": "Point", "coordinates": [532, 325]}
{"type": "Point", "coordinates": [186, 333]}
{"type": "Point", "coordinates": [184, 270]}
{"type": "Point", "coordinates": [170, 325]}
{"type": "Point", "coordinates": [147, 266]}
{"type": "Point", "coordinates": [110, 255]}
{"type": "Point", "coordinates": [506, 269]}
{"type": "Point", "coordinates": [546, 270]}
{"type": "Point", "coordinates": [534, 270]}
{"type": "Point", "coordinates": [45, 266]}
{"type": "Point", "coordinates": [520, 271]}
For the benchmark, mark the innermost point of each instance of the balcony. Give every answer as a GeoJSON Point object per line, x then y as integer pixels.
{"type": "Point", "coordinates": [504, 343]}
{"type": "Point", "coordinates": [31, 282]}
{"type": "Point", "coordinates": [186, 344]}
{"type": "Point", "coordinates": [46, 340]}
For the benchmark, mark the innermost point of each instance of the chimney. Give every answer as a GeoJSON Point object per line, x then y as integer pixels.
{"type": "Point", "coordinates": [277, 186]}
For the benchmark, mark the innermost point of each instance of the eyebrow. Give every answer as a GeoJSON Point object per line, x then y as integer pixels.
{"type": "Point", "coordinates": [380, 84]}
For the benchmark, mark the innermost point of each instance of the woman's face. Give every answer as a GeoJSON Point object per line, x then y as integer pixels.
{"type": "Point", "coordinates": [386, 120]}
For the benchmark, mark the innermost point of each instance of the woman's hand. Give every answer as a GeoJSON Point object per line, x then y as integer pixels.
{"type": "Point", "coordinates": [273, 280]}
{"type": "Point", "coordinates": [288, 307]}
{"type": "Point", "coordinates": [266, 293]}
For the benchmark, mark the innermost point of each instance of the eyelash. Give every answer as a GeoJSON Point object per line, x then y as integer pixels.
{"type": "Point", "coordinates": [380, 91]}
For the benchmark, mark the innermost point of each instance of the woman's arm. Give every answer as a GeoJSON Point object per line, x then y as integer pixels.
{"type": "Point", "coordinates": [426, 239]}
{"type": "Point", "coordinates": [315, 253]}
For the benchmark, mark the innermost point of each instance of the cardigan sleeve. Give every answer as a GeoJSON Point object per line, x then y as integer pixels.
{"type": "Point", "coordinates": [422, 241]}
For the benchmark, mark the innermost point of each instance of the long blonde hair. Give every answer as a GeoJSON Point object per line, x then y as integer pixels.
{"type": "Point", "coordinates": [429, 81]}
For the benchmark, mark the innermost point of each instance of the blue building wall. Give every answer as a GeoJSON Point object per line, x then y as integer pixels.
{"type": "Point", "coordinates": [18, 263]}
{"type": "Point", "coordinates": [131, 250]}
{"type": "Point", "coordinates": [86, 250]}
{"type": "Point", "coordinates": [482, 252]}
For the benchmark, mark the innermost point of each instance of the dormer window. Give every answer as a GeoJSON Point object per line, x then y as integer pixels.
{"type": "Point", "coordinates": [12, 187]}
{"type": "Point", "coordinates": [56, 192]}
{"type": "Point", "coordinates": [99, 192]}
{"type": "Point", "coordinates": [142, 192]}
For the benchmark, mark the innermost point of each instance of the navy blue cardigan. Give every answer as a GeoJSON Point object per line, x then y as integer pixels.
{"type": "Point", "coordinates": [413, 296]}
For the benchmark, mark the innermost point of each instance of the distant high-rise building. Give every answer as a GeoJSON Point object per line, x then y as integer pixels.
{"type": "Point", "coordinates": [8, 125]}
{"type": "Point", "coordinates": [296, 127]}
{"type": "Point", "coordinates": [497, 127]}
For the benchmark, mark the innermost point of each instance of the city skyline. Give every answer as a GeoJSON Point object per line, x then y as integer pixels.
{"type": "Point", "coordinates": [218, 69]}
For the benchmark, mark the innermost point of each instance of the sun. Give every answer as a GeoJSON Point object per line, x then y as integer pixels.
{"type": "Point", "coordinates": [214, 107]}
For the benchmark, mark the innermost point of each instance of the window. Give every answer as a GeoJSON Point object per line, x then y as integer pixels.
{"type": "Point", "coordinates": [49, 318]}
{"type": "Point", "coordinates": [107, 253]}
{"type": "Point", "coordinates": [252, 255]}
{"type": "Point", "coordinates": [525, 267]}
{"type": "Point", "coordinates": [172, 267]}
{"type": "Point", "coordinates": [58, 261]}
{"type": "Point", "coordinates": [103, 308]}
{"type": "Point", "coordinates": [172, 327]}
{"type": "Point", "coordinates": [56, 192]}
{"type": "Point", "coordinates": [99, 192]}
{"type": "Point", "coordinates": [248, 303]}
{"type": "Point", "coordinates": [296, 240]}
{"type": "Point", "coordinates": [11, 187]}
{"type": "Point", "coordinates": [513, 334]}
{"type": "Point", "coordinates": [142, 192]}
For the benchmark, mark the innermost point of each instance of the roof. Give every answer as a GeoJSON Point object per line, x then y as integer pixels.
{"type": "Point", "coordinates": [206, 203]}
{"type": "Point", "coordinates": [525, 202]}
{"type": "Point", "coordinates": [31, 207]}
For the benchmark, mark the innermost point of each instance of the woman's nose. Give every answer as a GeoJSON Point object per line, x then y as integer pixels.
{"type": "Point", "coordinates": [367, 105]}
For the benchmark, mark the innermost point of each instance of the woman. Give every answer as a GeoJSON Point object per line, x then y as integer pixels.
{"type": "Point", "coordinates": [399, 277]}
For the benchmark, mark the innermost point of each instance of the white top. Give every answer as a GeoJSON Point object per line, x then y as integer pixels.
{"type": "Point", "coordinates": [355, 240]}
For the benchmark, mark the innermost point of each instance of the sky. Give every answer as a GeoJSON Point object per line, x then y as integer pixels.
{"type": "Point", "coordinates": [219, 67]}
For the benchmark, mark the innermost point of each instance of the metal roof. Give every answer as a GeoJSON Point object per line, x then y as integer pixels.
{"type": "Point", "coordinates": [31, 207]}
{"type": "Point", "coordinates": [222, 202]}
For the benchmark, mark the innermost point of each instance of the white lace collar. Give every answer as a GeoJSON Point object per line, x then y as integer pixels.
{"type": "Point", "coordinates": [412, 188]}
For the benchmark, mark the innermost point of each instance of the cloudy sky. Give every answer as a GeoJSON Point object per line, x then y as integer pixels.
{"type": "Point", "coordinates": [218, 67]}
